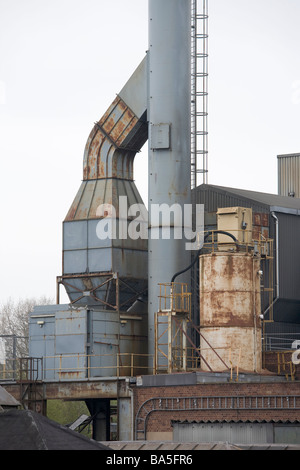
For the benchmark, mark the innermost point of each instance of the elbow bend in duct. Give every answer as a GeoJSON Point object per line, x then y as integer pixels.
{"type": "Point", "coordinates": [121, 132]}
{"type": "Point", "coordinates": [113, 144]}
{"type": "Point", "coordinates": [111, 148]}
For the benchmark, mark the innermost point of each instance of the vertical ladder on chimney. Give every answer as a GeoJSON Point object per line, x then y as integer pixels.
{"type": "Point", "coordinates": [199, 127]}
{"type": "Point", "coordinates": [199, 92]}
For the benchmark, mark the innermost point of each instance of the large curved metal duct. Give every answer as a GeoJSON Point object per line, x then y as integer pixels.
{"type": "Point", "coordinates": [108, 174]}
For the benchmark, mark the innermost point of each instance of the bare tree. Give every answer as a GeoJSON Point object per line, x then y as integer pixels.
{"type": "Point", "coordinates": [14, 323]}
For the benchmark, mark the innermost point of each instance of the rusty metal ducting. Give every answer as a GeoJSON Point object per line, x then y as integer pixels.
{"type": "Point", "coordinates": [108, 174]}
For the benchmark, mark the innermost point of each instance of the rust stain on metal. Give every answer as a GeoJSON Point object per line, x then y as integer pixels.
{"type": "Point", "coordinates": [101, 169]}
{"type": "Point", "coordinates": [265, 220]}
{"type": "Point", "coordinates": [257, 218]}
{"type": "Point", "coordinates": [71, 214]}
{"type": "Point", "coordinates": [230, 304]}
{"type": "Point", "coordinates": [74, 375]}
{"type": "Point", "coordinates": [256, 232]}
{"type": "Point", "coordinates": [87, 282]}
{"type": "Point", "coordinates": [109, 111]}
{"type": "Point", "coordinates": [91, 168]}
{"type": "Point", "coordinates": [265, 232]}
{"type": "Point", "coordinates": [128, 125]}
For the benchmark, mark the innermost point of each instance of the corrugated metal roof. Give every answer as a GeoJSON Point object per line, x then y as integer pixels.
{"type": "Point", "coordinates": [266, 199]}
{"type": "Point", "coordinates": [193, 446]}
{"type": "Point", "coordinates": [237, 421]}
{"type": "Point", "coordinates": [28, 430]}
{"type": "Point", "coordinates": [163, 445]}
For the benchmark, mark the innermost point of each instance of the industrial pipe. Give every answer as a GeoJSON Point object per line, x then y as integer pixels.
{"type": "Point", "coordinates": [169, 116]}
{"type": "Point", "coordinates": [199, 251]}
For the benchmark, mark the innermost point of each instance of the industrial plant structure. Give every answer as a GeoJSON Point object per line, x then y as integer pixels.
{"type": "Point", "coordinates": [188, 326]}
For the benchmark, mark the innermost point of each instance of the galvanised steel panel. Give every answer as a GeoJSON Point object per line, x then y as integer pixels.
{"type": "Point", "coordinates": [137, 101]}
{"type": "Point", "coordinates": [70, 344]}
{"type": "Point", "coordinates": [98, 198]}
{"type": "Point", "coordinates": [75, 235]}
{"type": "Point", "coordinates": [72, 322]}
{"type": "Point", "coordinates": [38, 330]}
{"type": "Point", "coordinates": [108, 329]}
{"type": "Point", "coordinates": [85, 202]}
{"type": "Point", "coordinates": [42, 338]}
{"type": "Point", "coordinates": [75, 261]}
{"type": "Point", "coordinates": [69, 367]}
{"type": "Point", "coordinates": [99, 260]}
{"type": "Point", "coordinates": [103, 361]}
{"type": "Point", "coordinates": [96, 240]}
{"type": "Point", "coordinates": [93, 240]}
{"type": "Point", "coordinates": [131, 263]}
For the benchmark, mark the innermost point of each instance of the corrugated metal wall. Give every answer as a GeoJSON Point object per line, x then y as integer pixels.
{"type": "Point", "coordinates": [289, 175]}
{"type": "Point", "coordinates": [237, 433]}
{"type": "Point", "coordinates": [289, 256]}
{"type": "Point", "coordinates": [213, 199]}
{"type": "Point", "coordinates": [242, 433]}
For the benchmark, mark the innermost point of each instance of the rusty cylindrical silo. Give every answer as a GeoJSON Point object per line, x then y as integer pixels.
{"type": "Point", "coordinates": [169, 115]}
{"type": "Point", "coordinates": [230, 308]}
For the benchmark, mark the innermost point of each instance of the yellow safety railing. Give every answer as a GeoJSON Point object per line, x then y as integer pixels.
{"type": "Point", "coordinates": [174, 297]}
{"type": "Point", "coordinates": [286, 365]}
{"type": "Point", "coordinates": [198, 359]}
{"type": "Point", "coordinates": [258, 242]}
{"type": "Point", "coordinates": [80, 366]}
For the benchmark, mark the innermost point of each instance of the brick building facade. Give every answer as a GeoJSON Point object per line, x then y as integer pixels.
{"type": "Point", "coordinates": [252, 399]}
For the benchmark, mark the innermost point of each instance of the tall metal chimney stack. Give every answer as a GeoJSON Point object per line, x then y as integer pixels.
{"type": "Point", "coordinates": [169, 116]}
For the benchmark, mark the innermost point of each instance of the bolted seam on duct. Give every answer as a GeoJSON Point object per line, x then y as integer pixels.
{"type": "Point", "coordinates": [113, 143]}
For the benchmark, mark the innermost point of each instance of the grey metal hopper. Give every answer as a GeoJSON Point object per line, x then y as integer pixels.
{"type": "Point", "coordinates": [102, 264]}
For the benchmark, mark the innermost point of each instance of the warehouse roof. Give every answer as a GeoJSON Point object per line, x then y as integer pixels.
{"type": "Point", "coordinates": [274, 202]}
{"type": "Point", "coordinates": [165, 445]}
{"type": "Point", "coordinates": [193, 446]}
{"type": "Point", "coordinates": [27, 430]}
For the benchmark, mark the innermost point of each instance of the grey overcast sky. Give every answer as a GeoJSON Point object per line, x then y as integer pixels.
{"type": "Point", "coordinates": [62, 63]}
